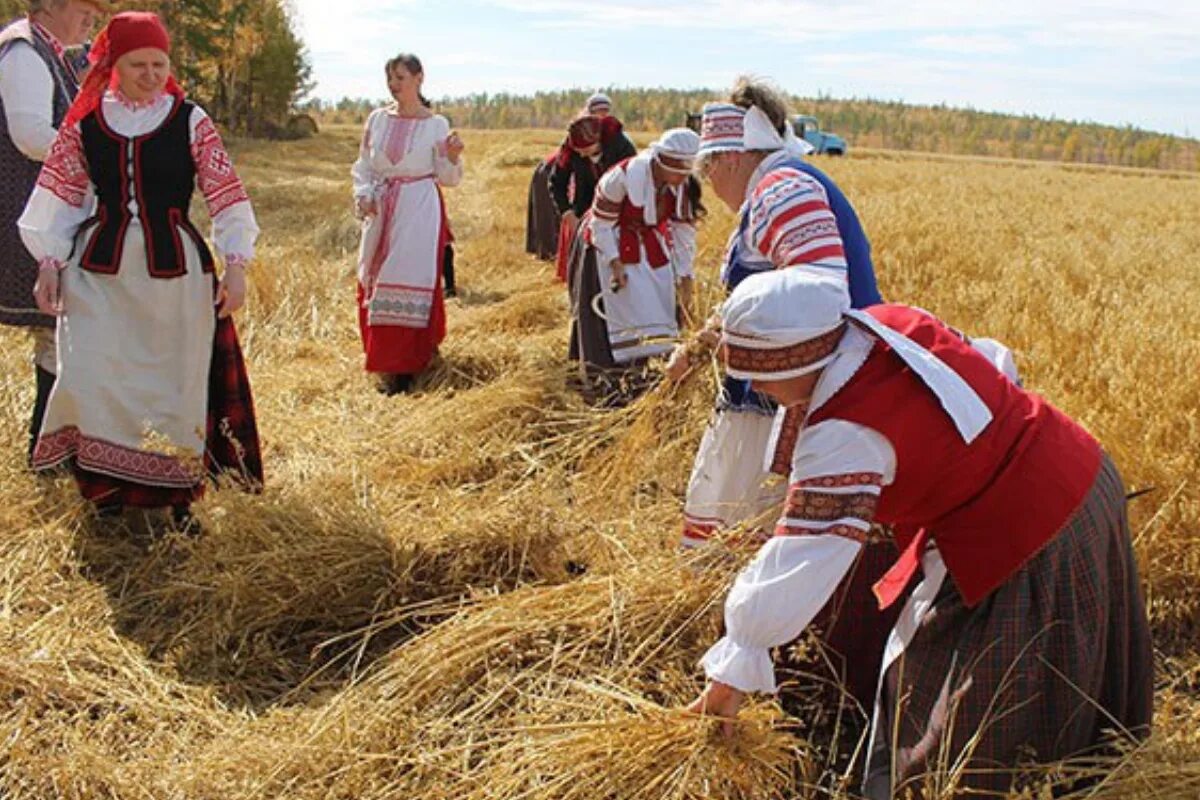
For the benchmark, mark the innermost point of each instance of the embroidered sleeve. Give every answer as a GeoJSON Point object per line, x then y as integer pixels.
{"type": "Point", "coordinates": [235, 229]}
{"type": "Point", "coordinates": [64, 173]}
{"type": "Point", "coordinates": [215, 176]}
{"type": "Point", "coordinates": [838, 471]}
{"type": "Point", "coordinates": [792, 224]}
{"type": "Point", "coordinates": [606, 210]}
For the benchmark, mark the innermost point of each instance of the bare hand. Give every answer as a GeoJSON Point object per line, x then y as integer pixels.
{"type": "Point", "coordinates": [710, 334]}
{"type": "Point", "coordinates": [719, 700]}
{"type": "Point", "coordinates": [619, 279]}
{"type": "Point", "coordinates": [231, 294]}
{"type": "Point", "coordinates": [47, 291]}
{"type": "Point", "coordinates": [365, 206]}
{"type": "Point", "coordinates": [678, 365]}
{"type": "Point", "coordinates": [454, 147]}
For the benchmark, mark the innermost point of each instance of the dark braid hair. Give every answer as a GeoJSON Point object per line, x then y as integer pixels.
{"type": "Point", "coordinates": [413, 65]}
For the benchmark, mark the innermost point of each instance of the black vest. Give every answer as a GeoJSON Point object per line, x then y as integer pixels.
{"type": "Point", "coordinates": [156, 170]}
{"type": "Point", "coordinates": [18, 174]}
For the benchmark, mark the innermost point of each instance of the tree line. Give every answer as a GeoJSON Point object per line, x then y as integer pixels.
{"type": "Point", "coordinates": [240, 59]}
{"type": "Point", "coordinates": [863, 123]}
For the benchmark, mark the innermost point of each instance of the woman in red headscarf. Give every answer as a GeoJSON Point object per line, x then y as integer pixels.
{"type": "Point", "coordinates": [152, 391]}
{"type": "Point", "coordinates": [593, 146]}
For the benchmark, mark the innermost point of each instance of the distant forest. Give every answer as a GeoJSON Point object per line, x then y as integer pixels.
{"type": "Point", "coordinates": [243, 61]}
{"type": "Point", "coordinates": [863, 123]}
{"type": "Point", "coordinates": [240, 59]}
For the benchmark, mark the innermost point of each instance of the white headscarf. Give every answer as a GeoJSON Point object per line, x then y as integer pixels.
{"type": "Point", "coordinates": [678, 143]}
{"type": "Point", "coordinates": [788, 322]}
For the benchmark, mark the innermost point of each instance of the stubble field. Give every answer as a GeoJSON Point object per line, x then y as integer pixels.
{"type": "Point", "coordinates": [473, 591]}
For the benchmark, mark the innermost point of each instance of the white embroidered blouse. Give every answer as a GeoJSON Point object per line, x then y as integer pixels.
{"type": "Point", "coordinates": [65, 198]}
{"type": "Point", "coordinates": [635, 182]}
{"type": "Point", "coordinates": [396, 147]}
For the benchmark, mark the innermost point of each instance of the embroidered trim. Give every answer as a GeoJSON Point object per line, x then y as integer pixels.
{"type": "Point", "coordinates": [404, 306]}
{"type": "Point", "coordinates": [782, 359]}
{"type": "Point", "coordinates": [839, 481]}
{"type": "Point", "coordinates": [789, 434]}
{"type": "Point", "coordinates": [215, 177]}
{"type": "Point", "coordinates": [809, 506]}
{"type": "Point", "coordinates": [50, 263]}
{"type": "Point", "coordinates": [134, 105]}
{"type": "Point", "coordinates": [98, 455]}
{"type": "Point", "coordinates": [51, 39]}
{"type": "Point", "coordinates": [64, 173]}
{"type": "Point", "coordinates": [846, 531]}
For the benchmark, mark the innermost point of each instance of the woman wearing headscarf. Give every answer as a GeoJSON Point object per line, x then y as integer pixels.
{"type": "Point", "coordinates": [407, 154]}
{"type": "Point", "coordinates": [1027, 638]}
{"type": "Point", "coordinates": [631, 269]}
{"type": "Point", "coordinates": [584, 157]}
{"type": "Point", "coordinates": [152, 390]}
{"type": "Point", "coordinates": [38, 80]}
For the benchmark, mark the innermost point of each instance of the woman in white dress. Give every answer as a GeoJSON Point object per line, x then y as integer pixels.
{"type": "Point", "coordinates": [152, 391]}
{"type": "Point", "coordinates": [407, 154]}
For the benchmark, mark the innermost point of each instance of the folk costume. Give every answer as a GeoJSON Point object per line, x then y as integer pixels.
{"type": "Point", "coordinates": [794, 217]}
{"type": "Point", "coordinates": [152, 392]}
{"type": "Point", "coordinates": [542, 220]}
{"type": "Point", "coordinates": [38, 81]}
{"type": "Point", "coordinates": [574, 176]}
{"type": "Point", "coordinates": [402, 164]}
{"type": "Point", "coordinates": [650, 229]}
{"type": "Point", "coordinates": [1027, 637]}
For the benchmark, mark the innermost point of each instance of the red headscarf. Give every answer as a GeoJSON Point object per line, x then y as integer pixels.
{"type": "Point", "coordinates": [584, 131]}
{"type": "Point", "coordinates": [124, 33]}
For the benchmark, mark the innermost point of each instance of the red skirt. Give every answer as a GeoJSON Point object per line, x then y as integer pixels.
{"type": "Point", "coordinates": [566, 233]}
{"type": "Point", "coordinates": [398, 350]}
{"type": "Point", "coordinates": [402, 351]}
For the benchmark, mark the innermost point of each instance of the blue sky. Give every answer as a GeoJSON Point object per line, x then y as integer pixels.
{"type": "Point", "coordinates": [1109, 61]}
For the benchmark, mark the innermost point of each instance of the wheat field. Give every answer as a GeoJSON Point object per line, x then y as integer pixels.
{"type": "Point", "coordinates": [473, 591]}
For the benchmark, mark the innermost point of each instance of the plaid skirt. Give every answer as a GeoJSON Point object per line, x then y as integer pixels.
{"type": "Point", "coordinates": [1038, 672]}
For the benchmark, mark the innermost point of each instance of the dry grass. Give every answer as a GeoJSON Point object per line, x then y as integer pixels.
{"type": "Point", "coordinates": [403, 612]}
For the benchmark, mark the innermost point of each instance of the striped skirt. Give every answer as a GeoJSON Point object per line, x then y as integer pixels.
{"type": "Point", "coordinates": [1039, 671]}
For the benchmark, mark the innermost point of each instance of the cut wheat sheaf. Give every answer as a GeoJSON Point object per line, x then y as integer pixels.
{"type": "Point", "coordinates": [475, 591]}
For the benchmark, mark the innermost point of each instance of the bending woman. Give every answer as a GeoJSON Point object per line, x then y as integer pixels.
{"type": "Point", "coordinates": [631, 269]}
{"type": "Point", "coordinates": [1027, 638]}
{"type": "Point", "coordinates": [152, 388]}
{"type": "Point", "coordinates": [407, 153]}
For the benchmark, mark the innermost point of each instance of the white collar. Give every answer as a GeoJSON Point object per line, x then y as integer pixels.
{"type": "Point", "coordinates": [852, 352]}
{"type": "Point", "coordinates": [639, 186]}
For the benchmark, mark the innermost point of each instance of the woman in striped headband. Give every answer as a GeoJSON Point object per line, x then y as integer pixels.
{"type": "Point", "coordinates": [1027, 636]}
{"type": "Point", "coordinates": [791, 215]}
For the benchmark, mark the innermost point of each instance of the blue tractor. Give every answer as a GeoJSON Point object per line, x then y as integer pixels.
{"type": "Point", "coordinates": [823, 142]}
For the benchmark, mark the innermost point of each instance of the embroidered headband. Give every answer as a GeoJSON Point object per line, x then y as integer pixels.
{"type": "Point", "coordinates": [725, 127]}
{"type": "Point", "coordinates": [782, 324]}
